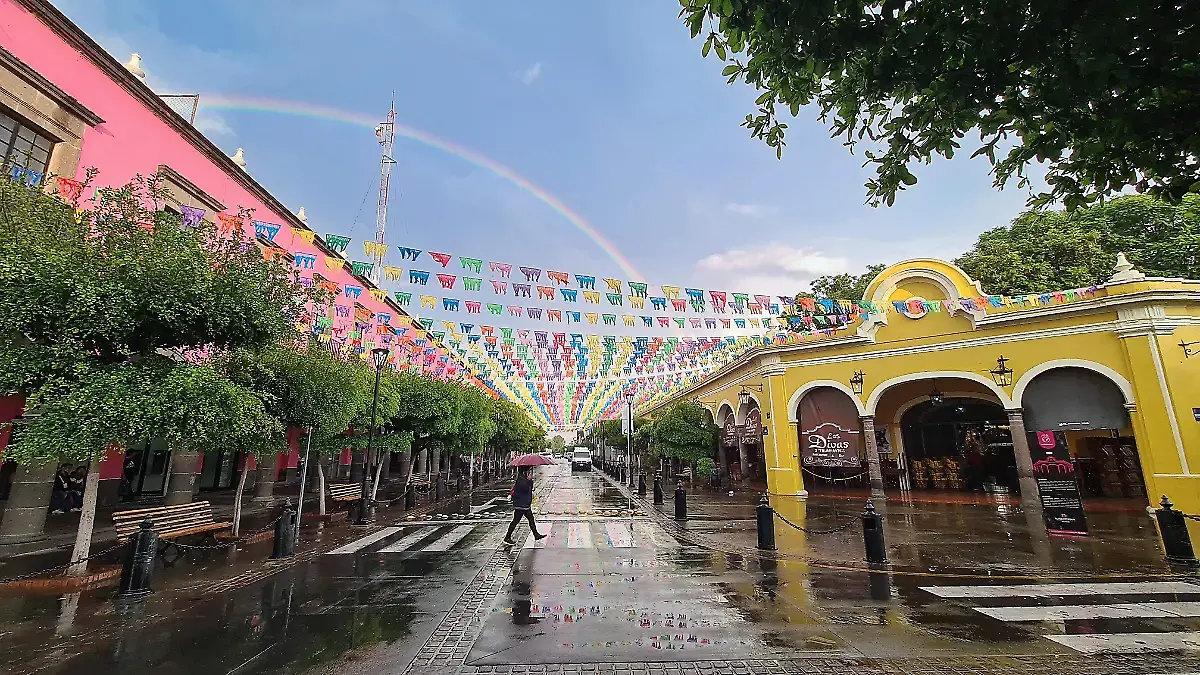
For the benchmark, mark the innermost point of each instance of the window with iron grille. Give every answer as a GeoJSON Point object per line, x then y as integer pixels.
{"type": "Point", "coordinates": [21, 145]}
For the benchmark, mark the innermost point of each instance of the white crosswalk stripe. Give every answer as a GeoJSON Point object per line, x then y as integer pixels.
{"type": "Point", "coordinates": [359, 544]}
{"type": "Point", "coordinates": [619, 535]}
{"type": "Point", "coordinates": [1131, 603]}
{"type": "Point", "coordinates": [448, 540]}
{"type": "Point", "coordinates": [579, 535]}
{"type": "Point", "coordinates": [408, 540]}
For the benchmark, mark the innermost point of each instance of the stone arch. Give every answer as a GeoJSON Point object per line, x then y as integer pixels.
{"type": "Point", "coordinates": [873, 400]}
{"type": "Point", "coordinates": [723, 410]}
{"type": "Point", "coordinates": [1027, 378]}
{"type": "Point", "coordinates": [794, 400]}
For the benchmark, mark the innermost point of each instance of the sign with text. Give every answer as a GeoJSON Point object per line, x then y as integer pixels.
{"type": "Point", "coordinates": [752, 429]}
{"type": "Point", "coordinates": [729, 432]}
{"type": "Point", "coordinates": [1055, 473]}
{"type": "Point", "coordinates": [829, 431]}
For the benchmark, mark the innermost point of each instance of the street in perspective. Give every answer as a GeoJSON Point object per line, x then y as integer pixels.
{"type": "Point", "coordinates": [637, 368]}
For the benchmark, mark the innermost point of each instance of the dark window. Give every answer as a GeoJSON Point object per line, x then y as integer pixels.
{"type": "Point", "coordinates": [21, 145]}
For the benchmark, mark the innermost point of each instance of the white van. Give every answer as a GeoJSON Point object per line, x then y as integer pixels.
{"type": "Point", "coordinates": [581, 459]}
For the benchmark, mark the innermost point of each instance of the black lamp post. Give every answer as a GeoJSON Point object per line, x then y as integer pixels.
{"type": "Point", "coordinates": [366, 514]}
{"type": "Point", "coordinates": [629, 435]}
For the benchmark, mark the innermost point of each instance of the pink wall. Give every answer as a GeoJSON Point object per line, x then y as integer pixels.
{"type": "Point", "coordinates": [134, 140]}
{"type": "Point", "coordinates": [11, 408]}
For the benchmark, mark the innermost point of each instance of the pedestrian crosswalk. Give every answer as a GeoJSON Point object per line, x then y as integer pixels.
{"type": "Point", "coordinates": [433, 537]}
{"type": "Point", "coordinates": [1093, 618]}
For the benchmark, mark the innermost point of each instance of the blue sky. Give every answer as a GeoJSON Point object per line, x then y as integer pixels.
{"type": "Point", "coordinates": [608, 106]}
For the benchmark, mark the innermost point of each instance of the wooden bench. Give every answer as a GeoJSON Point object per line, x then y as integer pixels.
{"type": "Point", "coordinates": [420, 483]}
{"type": "Point", "coordinates": [170, 522]}
{"type": "Point", "coordinates": [345, 492]}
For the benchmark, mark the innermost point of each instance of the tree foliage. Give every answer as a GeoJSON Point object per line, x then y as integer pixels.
{"type": "Point", "coordinates": [684, 431]}
{"type": "Point", "coordinates": [108, 316]}
{"type": "Point", "coordinates": [558, 443]}
{"type": "Point", "coordinates": [845, 286]}
{"type": "Point", "coordinates": [1052, 250]}
{"type": "Point", "coordinates": [1106, 93]}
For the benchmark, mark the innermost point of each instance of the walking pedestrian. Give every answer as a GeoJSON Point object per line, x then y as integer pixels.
{"type": "Point", "coordinates": [522, 501]}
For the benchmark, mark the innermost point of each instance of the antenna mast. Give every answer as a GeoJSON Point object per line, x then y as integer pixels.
{"type": "Point", "coordinates": [386, 131]}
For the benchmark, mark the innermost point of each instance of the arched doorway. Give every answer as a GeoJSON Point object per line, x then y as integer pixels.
{"type": "Point", "coordinates": [959, 444]}
{"type": "Point", "coordinates": [1088, 409]}
{"type": "Point", "coordinates": [751, 459]}
{"type": "Point", "coordinates": [727, 444]}
{"type": "Point", "coordinates": [830, 441]}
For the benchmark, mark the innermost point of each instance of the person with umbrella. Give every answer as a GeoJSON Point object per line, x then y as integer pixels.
{"type": "Point", "coordinates": [522, 495]}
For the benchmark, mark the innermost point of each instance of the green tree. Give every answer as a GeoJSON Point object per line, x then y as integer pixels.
{"type": "Point", "coordinates": [1045, 250]}
{"type": "Point", "coordinates": [124, 296]}
{"type": "Point", "coordinates": [558, 443]}
{"type": "Point", "coordinates": [845, 286]}
{"type": "Point", "coordinates": [684, 431]}
{"type": "Point", "coordinates": [1103, 93]}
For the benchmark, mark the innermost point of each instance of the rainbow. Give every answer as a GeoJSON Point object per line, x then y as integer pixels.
{"type": "Point", "coordinates": [302, 109]}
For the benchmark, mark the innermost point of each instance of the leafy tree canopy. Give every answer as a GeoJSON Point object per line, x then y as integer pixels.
{"type": "Point", "coordinates": [844, 286]}
{"type": "Point", "coordinates": [558, 443]}
{"type": "Point", "coordinates": [1106, 94]}
{"type": "Point", "coordinates": [684, 431]}
{"type": "Point", "coordinates": [1052, 250]}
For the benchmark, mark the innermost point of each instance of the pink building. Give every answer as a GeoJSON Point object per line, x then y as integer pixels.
{"type": "Point", "coordinates": [66, 105]}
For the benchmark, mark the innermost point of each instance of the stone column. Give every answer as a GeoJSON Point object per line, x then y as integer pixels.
{"type": "Point", "coordinates": [872, 450]}
{"type": "Point", "coordinates": [724, 463]}
{"type": "Point", "coordinates": [743, 459]}
{"type": "Point", "coordinates": [182, 482]}
{"type": "Point", "coordinates": [405, 464]}
{"type": "Point", "coordinates": [435, 461]}
{"type": "Point", "coordinates": [28, 503]}
{"type": "Point", "coordinates": [264, 480]}
{"type": "Point", "coordinates": [422, 460]}
{"type": "Point", "coordinates": [1031, 501]}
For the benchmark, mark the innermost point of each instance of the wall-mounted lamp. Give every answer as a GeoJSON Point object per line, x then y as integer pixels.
{"type": "Point", "coordinates": [1002, 374]}
{"type": "Point", "coordinates": [1187, 348]}
{"type": "Point", "coordinates": [744, 394]}
{"type": "Point", "coordinates": [936, 396]}
{"type": "Point", "coordinates": [856, 382]}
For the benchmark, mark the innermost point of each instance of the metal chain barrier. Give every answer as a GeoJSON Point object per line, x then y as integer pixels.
{"type": "Point", "coordinates": [839, 528]}
{"type": "Point", "coordinates": [69, 563]}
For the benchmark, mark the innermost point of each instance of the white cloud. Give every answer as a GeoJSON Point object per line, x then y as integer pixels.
{"type": "Point", "coordinates": [751, 210]}
{"type": "Point", "coordinates": [532, 73]}
{"type": "Point", "coordinates": [776, 269]}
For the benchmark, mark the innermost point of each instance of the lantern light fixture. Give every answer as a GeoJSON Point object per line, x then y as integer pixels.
{"type": "Point", "coordinates": [1002, 374]}
{"type": "Point", "coordinates": [856, 382]}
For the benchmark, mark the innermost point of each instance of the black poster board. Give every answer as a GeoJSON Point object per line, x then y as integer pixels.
{"type": "Point", "coordinates": [1055, 473]}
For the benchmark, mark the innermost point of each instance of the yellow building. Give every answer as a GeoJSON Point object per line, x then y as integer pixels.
{"type": "Point", "coordinates": [948, 387]}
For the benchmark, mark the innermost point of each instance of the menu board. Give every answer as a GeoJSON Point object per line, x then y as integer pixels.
{"type": "Point", "coordinates": [729, 432]}
{"type": "Point", "coordinates": [1055, 473]}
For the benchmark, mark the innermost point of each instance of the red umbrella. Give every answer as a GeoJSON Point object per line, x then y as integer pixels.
{"type": "Point", "coordinates": [532, 460]}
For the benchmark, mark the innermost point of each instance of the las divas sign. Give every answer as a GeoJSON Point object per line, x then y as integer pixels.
{"type": "Point", "coordinates": [829, 433]}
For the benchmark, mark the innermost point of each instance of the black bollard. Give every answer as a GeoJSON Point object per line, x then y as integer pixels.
{"type": "Point", "coordinates": [766, 525]}
{"type": "Point", "coordinates": [624, 477]}
{"type": "Point", "coordinates": [680, 502]}
{"type": "Point", "coordinates": [1173, 527]}
{"type": "Point", "coordinates": [642, 485]}
{"type": "Point", "coordinates": [285, 533]}
{"type": "Point", "coordinates": [410, 498]}
{"type": "Point", "coordinates": [658, 492]}
{"type": "Point", "coordinates": [139, 563]}
{"type": "Point", "coordinates": [873, 535]}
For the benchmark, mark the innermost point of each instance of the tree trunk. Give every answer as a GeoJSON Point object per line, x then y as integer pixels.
{"type": "Point", "coordinates": [28, 503]}
{"type": "Point", "coordinates": [321, 488]}
{"type": "Point", "coordinates": [237, 500]}
{"type": "Point", "coordinates": [87, 521]}
{"type": "Point", "coordinates": [182, 485]}
{"type": "Point", "coordinates": [264, 487]}
{"type": "Point", "coordinates": [378, 473]}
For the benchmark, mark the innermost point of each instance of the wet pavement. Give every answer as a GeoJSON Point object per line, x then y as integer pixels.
{"type": "Point", "coordinates": [619, 588]}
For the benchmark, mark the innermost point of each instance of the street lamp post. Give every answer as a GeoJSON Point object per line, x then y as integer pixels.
{"type": "Point", "coordinates": [629, 434]}
{"type": "Point", "coordinates": [366, 514]}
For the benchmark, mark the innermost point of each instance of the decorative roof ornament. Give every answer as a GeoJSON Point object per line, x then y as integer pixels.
{"type": "Point", "coordinates": [239, 158]}
{"type": "Point", "coordinates": [1124, 272]}
{"type": "Point", "coordinates": [134, 65]}
{"type": "Point", "coordinates": [302, 216]}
